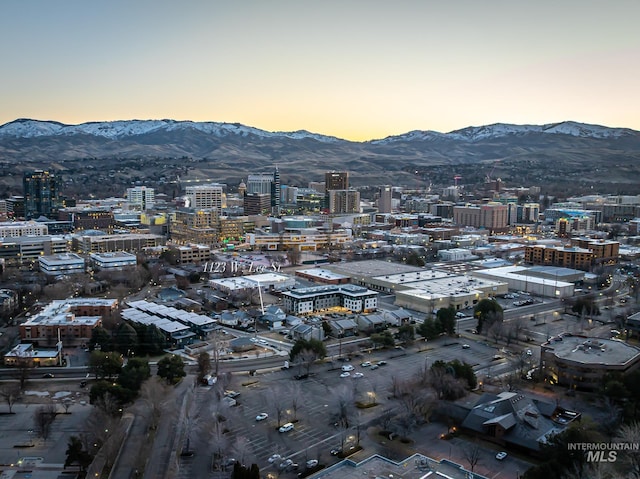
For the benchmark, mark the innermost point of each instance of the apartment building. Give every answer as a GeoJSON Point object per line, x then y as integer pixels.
{"type": "Point", "coordinates": [492, 216]}
{"type": "Point", "coordinates": [568, 257]}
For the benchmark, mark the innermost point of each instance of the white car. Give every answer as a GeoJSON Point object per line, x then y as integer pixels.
{"type": "Point", "coordinates": [311, 463]}
{"type": "Point", "coordinates": [358, 375]}
{"type": "Point", "coordinates": [262, 341]}
{"type": "Point", "coordinates": [347, 367]}
{"type": "Point", "coordinates": [274, 458]}
{"type": "Point", "coordinates": [345, 374]}
{"type": "Point", "coordinates": [465, 346]}
{"type": "Point", "coordinates": [262, 416]}
{"type": "Point", "coordinates": [501, 455]}
{"type": "Point", "coordinates": [286, 427]}
{"type": "Point", "coordinates": [366, 364]}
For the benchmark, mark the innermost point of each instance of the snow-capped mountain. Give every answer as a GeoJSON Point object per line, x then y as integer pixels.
{"type": "Point", "coordinates": [115, 130]}
{"type": "Point", "coordinates": [499, 130]}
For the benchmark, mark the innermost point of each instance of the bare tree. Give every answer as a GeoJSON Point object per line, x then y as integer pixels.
{"type": "Point", "coordinates": [296, 397]}
{"type": "Point", "coordinates": [154, 393]}
{"type": "Point", "coordinates": [108, 404]}
{"type": "Point", "coordinates": [220, 444]}
{"type": "Point", "coordinates": [630, 433]}
{"type": "Point", "coordinates": [496, 331]}
{"type": "Point", "coordinates": [595, 471]}
{"type": "Point", "coordinates": [24, 366]}
{"type": "Point", "coordinates": [342, 405]}
{"type": "Point", "coordinates": [517, 326]}
{"type": "Point", "coordinates": [307, 357]}
{"type": "Point", "coordinates": [472, 454]}
{"type": "Point", "coordinates": [66, 404]}
{"type": "Point", "coordinates": [43, 417]}
{"type": "Point", "coordinates": [242, 449]}
{"type": "Point", "coordinates": [276, 404]}
{"type": "Point", "coordinates": [10, 393]}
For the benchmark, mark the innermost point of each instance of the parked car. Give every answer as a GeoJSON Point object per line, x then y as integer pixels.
{"type": "Point", "coordinates": [311, 463]}
{"type": "Point", "coordinates": [262, 416]}
{"type": "Point", "coordinates": [48, 375]}
{"type": "Point", "coordinates": [465, 346]}
{"type": "Point", "coordinates": [345, 374]}
{"type": "Point", "coordinates": [285, 464]}
{"type": "Point", "coordinates": [286, 427]}
{"type": "Point", "coordinates": [374, 366]}
{"type": "Point", "coordinates": [335, 451]}
{"type": "Point", "coordinates": [366, 364]}
{"type": "Point", "coordinates": [501, 455]}
{"type": "Point", "coordinates": [274, 458]}
{"type": "Point", "coordinates": [347, 367]}
{"type": "Point", "coordinates": [358, 375]}
{"type": "Point", "coordinates": [382, 363]}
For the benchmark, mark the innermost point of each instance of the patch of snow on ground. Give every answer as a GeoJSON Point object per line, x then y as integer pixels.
{"type": "Point", "coordinates": [37, 393]}
{"type": "Point", "coordinates": [61, 394]}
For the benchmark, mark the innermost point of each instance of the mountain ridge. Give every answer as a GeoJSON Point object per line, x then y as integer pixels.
{"type": "Point", "coordinates": [118, 129]}
{"type": "Point", "coordinates": [555, 155]}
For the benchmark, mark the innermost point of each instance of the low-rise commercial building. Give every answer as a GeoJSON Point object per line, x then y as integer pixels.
{"type": "Point", "coordinates": [113, 261]}
{"type": "Point", "coordinates": [60, 264]}
{"type": "Point", "coordinates": [27, 249]}
{"type": "Point", "coordinates": [580, 362]}
{"type": "Point", "coordinates": [70, 321]}
{"type": "Point", "coordinates": [26, 355]}
{"type": "Point", "coordinates": [131, 242]}
{"type": "Point", "coordinates": [320, 298]}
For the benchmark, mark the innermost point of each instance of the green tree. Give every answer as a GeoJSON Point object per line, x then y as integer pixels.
{"type": "Point", "coordinates": [383, 339]}
{"type": "Point", "coordinates": [151, 340]}
{"type": "Point", "coordinates": [406, 333]}
{"type": "Point", "coordinates": [119, 396]}
{"type": "Point", "coordinates": [464, 371]}
{"type": "Point", "coordinates": [171, 368]}
{"type": "Point", "coordinates": [134, 373]}
{"type": "Point", "coordinates": [105, 365]}
{"type": "Point", "coordinates": [447, 318]}
{"type": "Point", "coordinates": [204, 365]}
{"type": "Point", "coordinates": [414, 259]}
{"type": "Point", "coordinates": [100, 339]}
{"type": "Point", "coordinates": [126, 339]}
{"type": "Point", "coordinates": [76, 454]}
{"type": "Point", "coordinates": [430, 328]}
{"type": "Point", "coordinates": [314, 345]}
{"type": "Point", "coordinates": [487, 311]}
{"type": "Point", "coordinates": [585, 306]}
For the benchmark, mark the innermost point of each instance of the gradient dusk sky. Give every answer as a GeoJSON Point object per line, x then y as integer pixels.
{"type": "Point", "coordinates": [354, 69]}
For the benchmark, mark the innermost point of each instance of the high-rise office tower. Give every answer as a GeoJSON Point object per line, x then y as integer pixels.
{"type": "Point", "coordinates": [42, 194]}
{"type": "Point", "coordinates": [343, 201]}
{"type": "Point", "coordinates": [336, 180]}
{"type": "Point", "coordinates": [275, 192]}
{"type": "Point", "coordinates": [384, 200]}
{"type": "Point", "coordinates": [141, 197]}
{"type": "Point", "coordinates": [259, 183]}
{"type": "Point", "coordinates": [266, 184]}
{"type": "Point", "coordinates": [206, 196]}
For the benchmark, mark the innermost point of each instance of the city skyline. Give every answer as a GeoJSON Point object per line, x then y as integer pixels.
{"type": "Point", "coordinates": [356, 70]}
